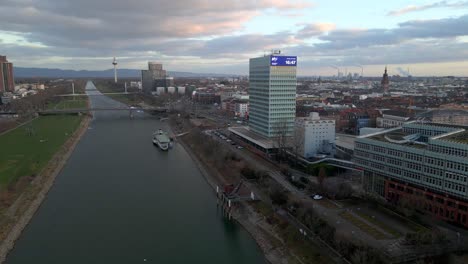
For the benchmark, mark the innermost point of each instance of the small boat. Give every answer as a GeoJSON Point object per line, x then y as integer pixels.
{"type": "Point", "coordinates": [161, 139]}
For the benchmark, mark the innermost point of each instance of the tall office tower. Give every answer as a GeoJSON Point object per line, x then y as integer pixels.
{"type": "Point", "coordinates": [425, 164]}
{"type": "Point", "coordinates": [7, 82]}
{"type": "Point", "coordinates": [385, 81]}
{"type": "Point", "coordinates": [155, 77]}
{"type": "Point", "coordinates": [272, 89]}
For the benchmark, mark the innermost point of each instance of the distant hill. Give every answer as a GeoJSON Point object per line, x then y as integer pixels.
{"type": "Point", "coordinates": [21, 72]}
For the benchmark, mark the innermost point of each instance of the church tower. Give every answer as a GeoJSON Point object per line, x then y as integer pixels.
{"type": "Point", "coordinates": [385, 81]}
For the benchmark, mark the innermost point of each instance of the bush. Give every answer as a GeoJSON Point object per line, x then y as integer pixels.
{"type": "Point", "coordinates": [278, 197]}
{"type": "Point", "coordinates": [304, 180]}
{"type": "Point", "coordinates": [249, 173]}
{"type": "Point", "coordinates": [431, 237]}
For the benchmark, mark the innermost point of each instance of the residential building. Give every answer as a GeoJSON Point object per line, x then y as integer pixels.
{"type": "Point", "coordinates": [272, 95]}
{"type": "Point", "coordinates": [446, 116]}
{"type": "Point", "coordinates": [7, 81]}
{"type": "Point", "coordinates": [425, 164]}
{"type": "Point", "coordinates": [242, 108]}
{"type": "Point", "coordinates": [314, 136]}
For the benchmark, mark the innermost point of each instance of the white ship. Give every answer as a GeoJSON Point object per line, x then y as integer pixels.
{"type": "Point", "coordinates": [161, 139]}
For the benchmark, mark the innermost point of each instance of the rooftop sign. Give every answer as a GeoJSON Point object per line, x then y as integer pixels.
{"type": "Point", "coordinates": [283, 60]}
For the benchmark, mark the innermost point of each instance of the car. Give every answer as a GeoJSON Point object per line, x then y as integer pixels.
{"type": "Point", "coordinates": [316, 197]}
{"type": "Point", "coordinates": [239, 147]}
{"type": "Point", "coordinates": [233, 143]}
{"type": "Point", "coordinates": [228, 140]}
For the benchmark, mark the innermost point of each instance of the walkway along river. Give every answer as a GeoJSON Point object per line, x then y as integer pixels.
{"type": "Point", "coordinates": [119, 199]}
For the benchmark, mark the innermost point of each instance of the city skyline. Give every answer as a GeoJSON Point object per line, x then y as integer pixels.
{"type": "Point", "coordinates": [428, 37]}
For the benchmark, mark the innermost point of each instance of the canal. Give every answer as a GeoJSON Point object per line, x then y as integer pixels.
{"type": "Point", "coordinates": [119, 199]}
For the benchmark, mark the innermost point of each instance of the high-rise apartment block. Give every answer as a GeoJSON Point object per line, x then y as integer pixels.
{"type": "Point", "coordinates": [272, 89]}
{"type": "Point", "coordinates": [425, 164]}
{"type": "Point", "coordinates": [7, 82]}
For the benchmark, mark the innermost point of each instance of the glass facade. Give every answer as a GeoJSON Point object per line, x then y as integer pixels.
{"type": "Point", "coordinates": [272, 92]}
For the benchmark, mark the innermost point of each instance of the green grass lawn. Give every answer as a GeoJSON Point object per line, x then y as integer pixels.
{"type": "Point", "coordinates": [25, 155]}
{"type": "Point", "coordinates": [69, 104]}
{"type": "Point", "coordinates": [370, 230]}
{"type": "Point", "coordinates": [129, 99]}
{"type": "Point", "coordinates": [380, 224]}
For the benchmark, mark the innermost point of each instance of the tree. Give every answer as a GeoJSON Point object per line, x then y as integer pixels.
{"type": "Point", "coordinates": [281, 133]}
{"type": "Point", "coordinates": [298, 143]}
{"type": "Point", "coordinates": [278, 197]}
{"type": "Point", "coordinates": [321, 176]}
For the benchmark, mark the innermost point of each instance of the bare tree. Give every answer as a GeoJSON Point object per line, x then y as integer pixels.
{"type": "Point", "coordinates": [282, 137]}
{"type": "Point", "coordinates": [297, 143]}
{"type": "Point", "coordinates": [321, 176]}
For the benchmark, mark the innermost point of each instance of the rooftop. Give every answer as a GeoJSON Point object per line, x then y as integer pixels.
{"type": "Point", "coordinates": [461, 137]}
{"type": "Point", "coordinates": [260, 140]}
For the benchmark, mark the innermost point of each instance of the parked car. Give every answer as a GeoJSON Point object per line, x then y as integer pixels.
{"type": "Point", "coordinates": [316, 197]}
{"type": "Point", "coordinates": [240, 147]}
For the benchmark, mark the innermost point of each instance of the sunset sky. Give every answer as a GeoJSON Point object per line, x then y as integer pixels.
{"type": "Point", "coordinates": [428, 37]}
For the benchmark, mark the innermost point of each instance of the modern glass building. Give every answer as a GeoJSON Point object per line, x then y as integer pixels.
{"type": "Point", "coordinates": [272, 90]}
{"type": "Point", "coordinates": [423, 163]}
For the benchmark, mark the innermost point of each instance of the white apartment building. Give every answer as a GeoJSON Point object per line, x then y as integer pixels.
{"type": "Point", "coordinates": [315, 136]}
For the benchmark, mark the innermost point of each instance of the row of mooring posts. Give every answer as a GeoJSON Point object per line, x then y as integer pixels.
{"type": "Point", "coordinates": [224, 202]}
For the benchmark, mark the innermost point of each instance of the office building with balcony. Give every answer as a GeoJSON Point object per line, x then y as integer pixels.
{"type": "Point", "coordinates": [423, 163]}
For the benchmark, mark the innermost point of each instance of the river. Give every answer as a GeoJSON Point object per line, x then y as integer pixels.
{"type": "Point", "coordinates": [119, 199]}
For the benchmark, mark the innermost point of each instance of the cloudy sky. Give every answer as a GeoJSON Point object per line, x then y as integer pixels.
{"type": "Point", "coordinates": [218, 36]}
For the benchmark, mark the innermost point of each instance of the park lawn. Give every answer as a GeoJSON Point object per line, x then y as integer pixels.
{"type": "Point", "coordinates": [69, 104]}
{"type": "Point", "coordinates": [25, 155]}
{"type": "Point", "coordinates": [380, 224]}
{"type": "Point", "coordinates": [125, 99]}
{"type": "Point", "coordinates": [370, 230]}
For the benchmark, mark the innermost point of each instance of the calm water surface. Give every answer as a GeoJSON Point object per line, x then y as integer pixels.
{"type": "Point", "coordinates": [119, 199]}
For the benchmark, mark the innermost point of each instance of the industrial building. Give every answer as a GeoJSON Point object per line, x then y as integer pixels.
{"type": "Point", "coordinates": [423, 163]}
{"type": "Point", "coordinates": [7, 82]}
{"type": "Point", "coordinates": [272, 94]}
{"type": "Point", "coordinates": [155, 77]}
{"type": "Point", "coordinates": [315, 136]}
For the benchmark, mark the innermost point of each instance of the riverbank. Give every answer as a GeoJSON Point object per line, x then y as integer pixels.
{"type": "Point", "coordinates": [245, 214]}
{"type": "Point", "coordinates": [26, 205]}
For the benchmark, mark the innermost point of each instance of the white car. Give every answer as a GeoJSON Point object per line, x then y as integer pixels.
{"type": "Point", "coordinates": [317, 197]}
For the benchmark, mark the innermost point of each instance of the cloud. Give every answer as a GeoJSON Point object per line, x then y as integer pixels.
{"type": "Point", "coordinates": [204, 34]}
{"type": "Point", "coordinates": [415, 8]}
{"type": "Point", "coordinates": [312, 30]}
{"type": "Point", "coordinates": [85, 23]}
{"type": "Point", "coordinates": [419, 29]}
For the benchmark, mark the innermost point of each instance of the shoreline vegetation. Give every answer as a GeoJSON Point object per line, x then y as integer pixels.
{"type": "Point", "coordinates": [35, 154]}
{"type": "Point", "coordinates": [280, 243]}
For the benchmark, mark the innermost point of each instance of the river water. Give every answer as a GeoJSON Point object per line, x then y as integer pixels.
{"type": "Point", "coordinates": [119, 199]}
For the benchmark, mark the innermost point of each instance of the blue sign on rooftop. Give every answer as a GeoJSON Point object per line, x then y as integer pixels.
{"type": "Point", "coordinates": [283, 60]}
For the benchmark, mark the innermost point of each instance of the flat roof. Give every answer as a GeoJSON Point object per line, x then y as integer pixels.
{"type": "Point", "coordinates": [249, 135]}
{"type": "Point", "coordinates": [345, 141]}
{"type": "Point", "coordinates": [460, 137]}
